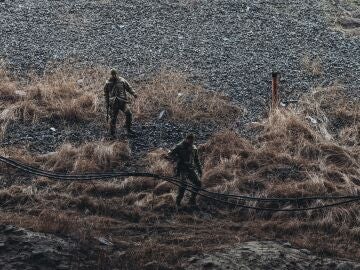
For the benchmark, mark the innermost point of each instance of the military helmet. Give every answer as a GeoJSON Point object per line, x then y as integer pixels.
{"type": "Point", "coordinates": [190, 136]}
{"type": "Point", "coordinates": [113, 72]}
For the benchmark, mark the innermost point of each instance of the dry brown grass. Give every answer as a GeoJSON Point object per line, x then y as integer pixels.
{"type": "Point", "coordinates": [312, 65]}
{"type": "Point", "coordinates": [74, 94]}
{"type": "Point", "coordinates": [65, 94]}
{"type": "Point", "coordinates": [291, 156]}
{"type": "Point", "coordinates": [182, 100]}
{"type": "Point", "coordinates": [347, 17]}
{"type": "Point", "coordinates": [89, 157]}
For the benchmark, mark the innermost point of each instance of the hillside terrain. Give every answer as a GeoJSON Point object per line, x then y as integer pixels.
{"type": "Point", "coordinates": [230, 46]}
{"type": "Point", "coordinates": [197, 66]}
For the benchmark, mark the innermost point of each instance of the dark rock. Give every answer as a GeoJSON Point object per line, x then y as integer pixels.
{"type": "Point", "coordinates": [266, 255]}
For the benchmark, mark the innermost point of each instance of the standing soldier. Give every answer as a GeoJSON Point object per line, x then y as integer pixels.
{"type": "Point", "coordinates": [188, 167]}
{"type": "Point", "coordinates": [116, 97]}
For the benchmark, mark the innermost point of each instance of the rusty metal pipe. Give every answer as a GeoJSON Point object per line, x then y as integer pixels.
{"type": "Point", "coordinates": [275, 90]}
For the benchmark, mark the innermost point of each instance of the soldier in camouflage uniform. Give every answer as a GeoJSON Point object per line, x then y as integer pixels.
{"type": "Point", "coordinates": [188, 167]}
{"type": "Point", "coordinates": [116, 97]}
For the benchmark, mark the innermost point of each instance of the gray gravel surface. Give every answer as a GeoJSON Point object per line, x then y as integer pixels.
{"type": "Point", "coordinates": [46, 137]}
{"type": "Point", "coordinates": [229, 45]}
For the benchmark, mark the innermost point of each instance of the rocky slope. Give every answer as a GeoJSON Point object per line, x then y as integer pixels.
{"type": "Point", "coordinates": [23, 249]}
{"type": "Point", "coordinates": [229, 45]}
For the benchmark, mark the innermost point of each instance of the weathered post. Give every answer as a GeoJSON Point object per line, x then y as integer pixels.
{"type": "Point", "coordinates": [275, 91]}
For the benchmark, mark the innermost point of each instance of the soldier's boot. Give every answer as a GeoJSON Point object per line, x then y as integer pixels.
{"type": "Point", "coordinates": [112, 130]}
{"type": "Point", "coordinates": [180, 196]}
{"type": "Point", "coordinates": [192, 201]}
{"type": "Point", "coordinates": [178, 203]}
{"type": "Point", "coordinates": [128, 124]}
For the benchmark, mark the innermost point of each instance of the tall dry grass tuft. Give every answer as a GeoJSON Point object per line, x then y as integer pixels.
{"type": "Point", "coordinates": [8, 85]}
{"type": "Point", "coordinates": [158, 163]}
{"type": "Point", "coordinates": [180, 99]}
{"type": "Point", "coordinates": [332, 110]}
{"type": "Point", "coordinates": [312, 65]}
{"type": "Point", "coordinates": [62, 93]}
{"type": "Point", "coordinates": [89, 157]}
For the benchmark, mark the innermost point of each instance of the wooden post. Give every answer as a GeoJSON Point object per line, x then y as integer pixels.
{"type": "Point", "coordinates": [275, 91]}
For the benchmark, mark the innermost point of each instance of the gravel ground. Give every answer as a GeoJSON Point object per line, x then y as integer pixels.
{"type": "Point", "coordinates": [46, 137]}
{"type": "Point", "coordinates": [227, 45]}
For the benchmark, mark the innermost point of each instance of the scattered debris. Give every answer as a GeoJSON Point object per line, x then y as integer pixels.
{"type": "Point", "coordinates": [312, 119]}
{"type": "Point", "coordinates": [20, 93]}
{"type": "Point", "coordinates": [161, 114]}
{"type": "Point", "coordinates": [104, 241]}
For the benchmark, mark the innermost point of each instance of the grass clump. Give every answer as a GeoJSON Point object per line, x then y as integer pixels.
{"type": "Point", "coordinates": [89, 157]}
{"type": "Point", "coordinates": [181, 100]}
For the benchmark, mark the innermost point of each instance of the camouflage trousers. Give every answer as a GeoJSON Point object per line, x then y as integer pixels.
{"type": "Point", "coordinates": [115, 108]}
{"type": "Point", "coordinates": [192, 176]}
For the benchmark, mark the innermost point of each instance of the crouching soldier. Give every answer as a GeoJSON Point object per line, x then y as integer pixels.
{"type": "Point", "coordinates": [188, 167]}
{"type": "Point", "coordinates": [116, 96]}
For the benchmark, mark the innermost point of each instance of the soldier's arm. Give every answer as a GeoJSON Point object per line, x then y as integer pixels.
{"type": "Point", "coordinates": [173, 154]}
{"type": "Point", "coordinates": [197, 162]}
{"type": "Point", "coordinates": [129, 89]}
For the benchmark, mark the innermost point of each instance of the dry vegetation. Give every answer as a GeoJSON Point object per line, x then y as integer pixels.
{"type": "Point", "coordinates": [347, 19]}
{"type": "Point", "coordinates": [312, 65]}
{"type": "Point", "coordinates": [181, 100]}
{"type": "Point", "coordinates": [311, 149]}
{"type": "Point", "coordinates": [64, 94]}
{"type": "Point", "coordinates": [89, 157]}
{"type": "Point", "coordinates": [73, 95]}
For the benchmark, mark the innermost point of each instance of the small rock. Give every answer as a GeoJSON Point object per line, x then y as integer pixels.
{"type": "Point", "coordinates": [80, 82]}
{"type": "Point", "coordinates": [154, 265]}
{"type": "Point", "coordinates": [104, 241]}
{"type": "Point", "coordinates": [344, 266]}
{"type": "Point", "coordinates": [161, 114]}
{"type": "Point", "coordinates": [312, 119]}
{"type": "Point", "coordinates": [20, 93]}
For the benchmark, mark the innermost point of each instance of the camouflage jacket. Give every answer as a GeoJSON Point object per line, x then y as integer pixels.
{"type": "Point", "coordinates": [187, 158]}
{"type": "Point", "coordinates": [117, 90]}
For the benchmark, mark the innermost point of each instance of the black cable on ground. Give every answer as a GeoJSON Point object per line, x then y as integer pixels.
{"type": "Point", "coordinates": [109, 175]}
{"type": "Point", "coordinates": [190, 187]}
